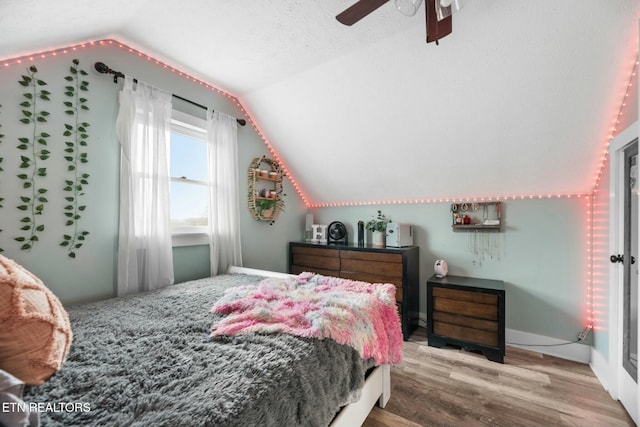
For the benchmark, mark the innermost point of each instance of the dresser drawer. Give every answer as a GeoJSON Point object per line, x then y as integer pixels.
{"type": "Point", "coordinates": [317, 260]}
{"type": "Point", "coordinates": [373, 267]}
{"type": "Point", "coordinates": [372, 256]}
{"type": "Point", "coordinates": [388, 270]}
{"type": "Point", "coordinates": [317, 251]}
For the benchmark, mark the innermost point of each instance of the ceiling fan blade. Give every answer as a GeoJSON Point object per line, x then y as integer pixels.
{"type": "Point", "coordinates": [359, 10]}
{"type": "Point", "coordinates": [436, 29]}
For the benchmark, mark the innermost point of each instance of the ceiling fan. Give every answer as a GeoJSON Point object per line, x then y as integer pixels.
{"type": "Point", "coordinates": [437, 13]}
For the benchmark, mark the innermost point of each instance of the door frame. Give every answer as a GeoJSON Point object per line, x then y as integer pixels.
{"type": "Point", "coordinates": [616, 240]}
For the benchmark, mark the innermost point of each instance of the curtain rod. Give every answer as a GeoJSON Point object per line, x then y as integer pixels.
{"type": "Point", "coordinates": [102, 68]}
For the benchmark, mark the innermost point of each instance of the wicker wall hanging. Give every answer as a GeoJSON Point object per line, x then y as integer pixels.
{"type": "Point", "coordinates": [264, 187]}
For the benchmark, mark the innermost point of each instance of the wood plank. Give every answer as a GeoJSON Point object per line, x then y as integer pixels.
{"type": "Point", "coordinates": [438, 387]}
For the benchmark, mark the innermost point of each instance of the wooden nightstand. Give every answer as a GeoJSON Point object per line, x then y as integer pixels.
{"type": "Point", "coordinates": [467, 312]}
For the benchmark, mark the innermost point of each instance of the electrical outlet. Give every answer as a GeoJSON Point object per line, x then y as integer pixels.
{"type": "Point", "coordinates": [584, 334]}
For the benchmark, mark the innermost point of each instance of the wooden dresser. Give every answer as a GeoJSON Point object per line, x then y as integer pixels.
{"type": "Point", "coordinates": [467, 312]}
{"type": "Point", "coordinates": [398, 266]}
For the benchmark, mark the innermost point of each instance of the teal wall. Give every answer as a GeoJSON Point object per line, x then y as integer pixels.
{"type": "Point", "coordinates": [190, 262]}
{"type": "Point", "coordinates": [541, 257]}
{"type": "Point", "coordinates": [92, 274]}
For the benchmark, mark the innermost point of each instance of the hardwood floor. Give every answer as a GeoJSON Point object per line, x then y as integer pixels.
{"type": "Point", "coordinates": [452, 387]}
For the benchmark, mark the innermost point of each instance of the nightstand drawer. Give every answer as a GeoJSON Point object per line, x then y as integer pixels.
{"type": "Point", "coordinates": [465, 308]}
{"type": "Point", "coordinates": [470, 322]}
{"type": "Point", "coordinates": [465, 334]}
{"type": "Point", "coordinates": [457, 294]}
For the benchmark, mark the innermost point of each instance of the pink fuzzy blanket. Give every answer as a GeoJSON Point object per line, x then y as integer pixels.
{"type": "Point", "coordinates": [359, 314]}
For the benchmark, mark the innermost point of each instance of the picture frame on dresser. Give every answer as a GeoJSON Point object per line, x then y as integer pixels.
{"type": "Point", "coordinates": [398, 266]}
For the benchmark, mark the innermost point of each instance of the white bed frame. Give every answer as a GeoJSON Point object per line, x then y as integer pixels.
{"type": "Point", "coordinates": [377, 387]}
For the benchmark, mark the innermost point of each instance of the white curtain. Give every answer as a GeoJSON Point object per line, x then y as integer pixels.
{"type": "Point", "coordinates": [144, 245]}
{"type": "Point", "coordinates": [224, 212]}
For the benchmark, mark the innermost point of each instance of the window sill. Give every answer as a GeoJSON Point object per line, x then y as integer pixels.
{"type": "Point", "coordinates": [189, 239]}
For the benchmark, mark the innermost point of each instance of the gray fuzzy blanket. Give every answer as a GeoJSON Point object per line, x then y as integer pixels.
{"type": "Point", "coordinates": [147, 360]}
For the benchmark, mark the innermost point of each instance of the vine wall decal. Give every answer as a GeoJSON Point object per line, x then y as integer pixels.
{"type": "Point", "coordinates": [34, 155]}
{"type": "Point", "coordinates": [75, 155]}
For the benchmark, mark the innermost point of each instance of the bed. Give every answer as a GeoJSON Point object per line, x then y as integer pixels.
{"type": "Point", "coordinates": [148, 359]}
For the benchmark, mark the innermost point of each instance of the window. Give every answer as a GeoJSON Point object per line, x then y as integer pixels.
{"type": "Point", "coordinates": [189, 180]}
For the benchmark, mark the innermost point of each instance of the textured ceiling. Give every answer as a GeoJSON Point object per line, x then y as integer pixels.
{"type": "Point", "coordinates": [518, 100]}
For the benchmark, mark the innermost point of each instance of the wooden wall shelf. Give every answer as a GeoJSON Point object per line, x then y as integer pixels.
{"type": "Point", "coordinates": [476, 216]}
{"type": "Point", "coordinates": [264, 186]}
{"type": "Point", "coordinates": [475, 227]}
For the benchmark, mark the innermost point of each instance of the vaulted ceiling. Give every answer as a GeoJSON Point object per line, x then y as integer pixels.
{"type": "Point", "coordinates": [518, 100]}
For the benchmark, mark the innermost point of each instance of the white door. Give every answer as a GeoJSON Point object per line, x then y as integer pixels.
{"type": "Point", "coordinates": [624, 268]}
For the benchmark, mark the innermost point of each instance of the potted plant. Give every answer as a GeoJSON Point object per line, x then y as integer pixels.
{"type": "Point", "coordinates": [378, 225]}
{"type": "Point", "coordinates": [266, 207]}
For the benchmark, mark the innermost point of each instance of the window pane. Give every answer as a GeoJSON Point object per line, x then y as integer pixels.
{"type": "Point", "coordinates": [188, 157]}
{"type": "Point", "coordinates": [189, 205]}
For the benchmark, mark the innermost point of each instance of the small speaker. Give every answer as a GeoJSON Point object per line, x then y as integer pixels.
{"type": "Point", "coordinates": [308, 227]}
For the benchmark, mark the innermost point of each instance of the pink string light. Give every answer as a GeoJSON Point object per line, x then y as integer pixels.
{"type": "Point", "coordinates": [273, 152]}
{"type": "Point", "coordinates": [111, 42]}
{"type": "Point", "coordinates": [597, 243]}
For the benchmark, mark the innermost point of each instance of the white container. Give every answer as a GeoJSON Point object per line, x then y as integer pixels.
{"type": "Point", "coordinates": [399, 235]}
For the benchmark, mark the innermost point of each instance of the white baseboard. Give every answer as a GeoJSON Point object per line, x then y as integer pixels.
{"type": "Point", "coordinates": [548, 345]}
{"type": "Point", "coordinates": [602, 370]}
